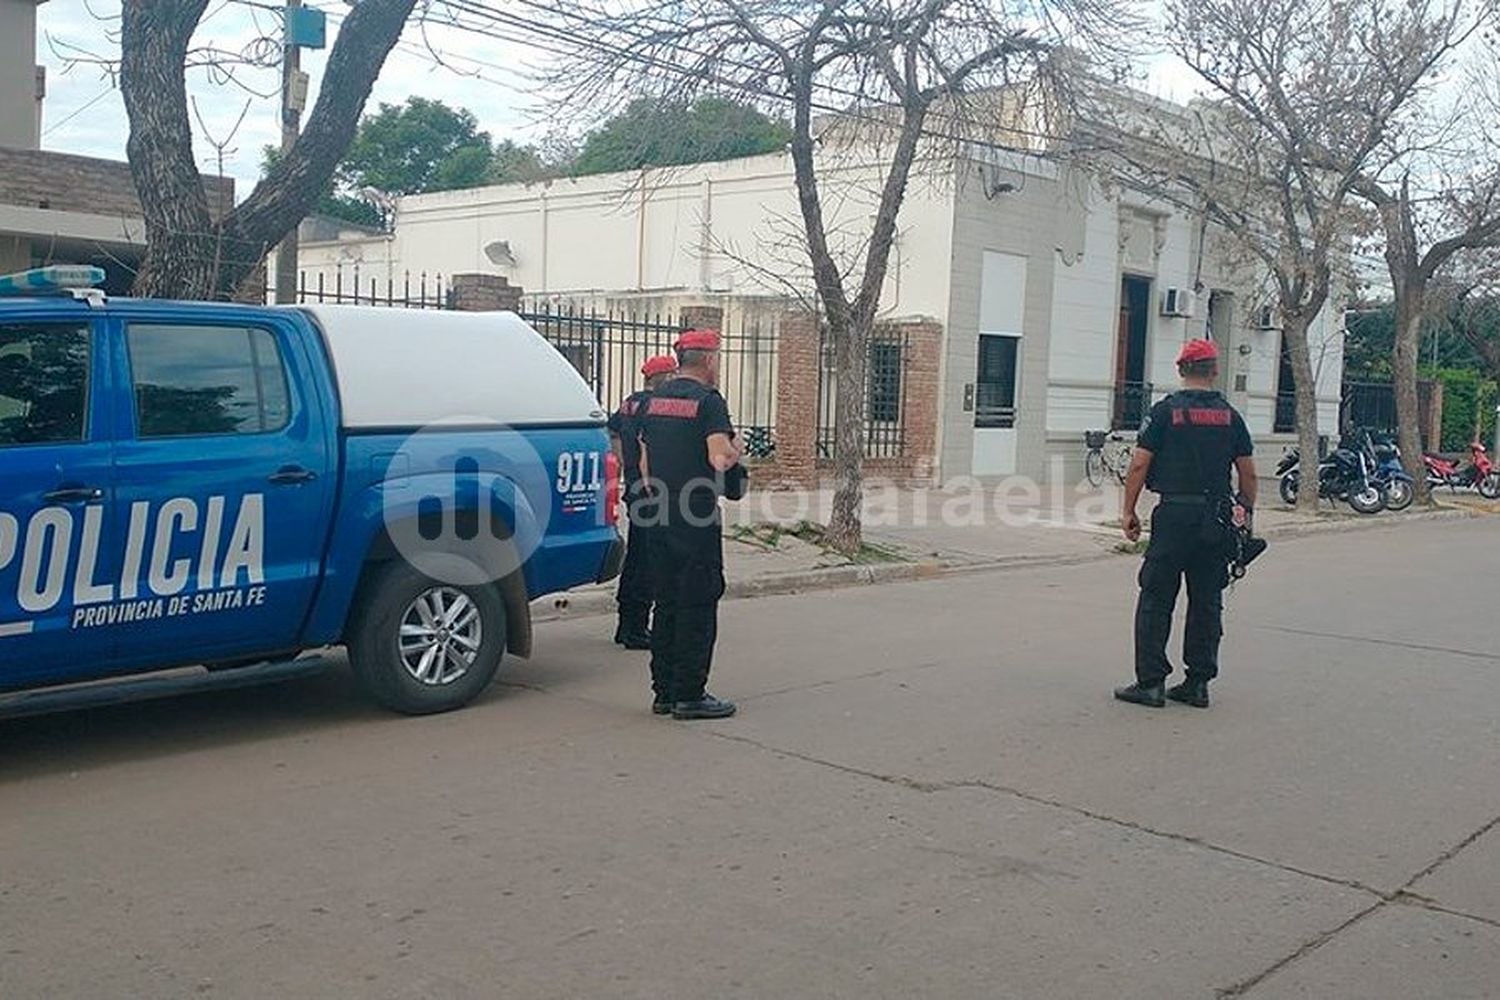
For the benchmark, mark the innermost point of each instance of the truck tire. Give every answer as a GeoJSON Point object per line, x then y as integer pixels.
{"type": "Point", "coordinates": [418, 646]}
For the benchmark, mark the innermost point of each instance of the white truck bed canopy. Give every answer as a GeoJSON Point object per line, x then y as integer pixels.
{"type": "Point", "coordinates": [409, 368]}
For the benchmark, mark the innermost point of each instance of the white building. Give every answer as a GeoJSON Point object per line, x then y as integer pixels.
{"type": "Point", "coordinates": [1063, 302]}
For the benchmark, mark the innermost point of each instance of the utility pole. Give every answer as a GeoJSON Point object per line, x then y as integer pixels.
{"type": "Point", "coordinates": [293, 98]}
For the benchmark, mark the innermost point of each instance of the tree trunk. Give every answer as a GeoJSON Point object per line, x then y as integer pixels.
{"type": "Point", "coordinates": [1410, 307]}
{"type": "Point", "coordinates": [1307, 412]}
{"type": "Point", "coordinates": [189, 253]}
{"type": "Point", "coordinates": [852, 359]}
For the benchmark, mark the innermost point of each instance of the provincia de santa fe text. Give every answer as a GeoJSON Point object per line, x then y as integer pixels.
{"type": "Point", "coordinates": [179, 558]}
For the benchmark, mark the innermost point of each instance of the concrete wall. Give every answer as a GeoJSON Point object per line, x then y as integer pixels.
{"type": "Point", "coordinates": [722, 228]}
{"type": "Point", "coordinates": [20, 110]}
{"type": "Point", "coordinates": [61, 208]}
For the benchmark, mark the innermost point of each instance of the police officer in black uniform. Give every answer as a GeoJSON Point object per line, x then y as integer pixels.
{"type": "Point", "coordinates": [1185, 453]}
{"type": "Point", "coordinates": [634, 594]}
{"type": "Point", "coordinates": [692, 458]}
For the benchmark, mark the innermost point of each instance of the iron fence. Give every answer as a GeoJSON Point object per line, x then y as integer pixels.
{"type": "Point", "coordinates": [609, 348]}
{"type": "Point", "coordinates": [884, 397]}
{"type": "Point", "coordinates": [420, 291]}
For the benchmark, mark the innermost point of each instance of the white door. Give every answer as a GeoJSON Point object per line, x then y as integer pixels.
{"type": "Point", "coordinates": [1002, 299]}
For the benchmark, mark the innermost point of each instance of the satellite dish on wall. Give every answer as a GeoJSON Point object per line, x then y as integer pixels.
{"type": "Point", "coordinates": [500, 254]}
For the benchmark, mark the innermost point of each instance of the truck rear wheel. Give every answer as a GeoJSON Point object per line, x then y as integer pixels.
{"type": "Point", "coordinates": [419, 646]}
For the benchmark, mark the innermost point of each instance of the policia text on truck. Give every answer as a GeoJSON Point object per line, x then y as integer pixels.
{"type": "Point", "coordinates": [194, 483]}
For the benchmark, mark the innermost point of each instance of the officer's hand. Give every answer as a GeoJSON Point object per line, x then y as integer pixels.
{"type": "Point", "coordinates": [1130, 524]}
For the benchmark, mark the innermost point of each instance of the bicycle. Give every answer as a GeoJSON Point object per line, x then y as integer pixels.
{"type": "Point", "coordinates": [1107, 452]}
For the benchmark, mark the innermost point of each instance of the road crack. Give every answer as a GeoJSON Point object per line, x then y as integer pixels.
{"type": "Point", "coordinates": [930, 787]}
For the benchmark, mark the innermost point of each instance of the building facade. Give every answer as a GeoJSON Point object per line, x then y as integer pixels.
{"type": "Point", "coordinates": [58, 208]}
{"type": "Point", "coordinates": [1061, 301]}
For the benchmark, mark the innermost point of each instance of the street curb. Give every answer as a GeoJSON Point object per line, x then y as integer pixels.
{"type": "Point", "coordinates": [831, 578]}
{"type": "Point", "coordinates": [567, 606]}
{"type": "Point", "coordinates": [1374, 522]}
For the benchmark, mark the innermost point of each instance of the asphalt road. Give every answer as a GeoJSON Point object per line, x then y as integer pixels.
{"type": "Point", "coordinates": [929, 792]}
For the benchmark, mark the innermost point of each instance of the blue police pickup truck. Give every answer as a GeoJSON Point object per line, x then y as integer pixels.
{"type": "Point", "coordinates": [231, 486]}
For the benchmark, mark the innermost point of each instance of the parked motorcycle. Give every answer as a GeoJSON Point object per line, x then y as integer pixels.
{"type": "Point", "coordinates": [1478, 473]}
{"type": "Point", "coordinates": [1389, 474]}
{"type": "Point", "coordinates": [1345, 475]}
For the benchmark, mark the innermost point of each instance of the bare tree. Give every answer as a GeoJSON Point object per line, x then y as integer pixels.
{"type": "Point", "coordinates": [192, 252]}
{"type": "Point", "coordinates": [1301, 97]}
{"type": "Point", "coordinates": [906, 76]}
{"type": "Point", "coordinates": [1437, 196]}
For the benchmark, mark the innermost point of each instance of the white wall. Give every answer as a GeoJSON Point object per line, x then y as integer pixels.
{"type": "Point", "coordinates": [712, 228]}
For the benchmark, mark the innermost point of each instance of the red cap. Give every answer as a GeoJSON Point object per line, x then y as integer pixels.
{"type": "Point", "coordinates": [1198, 350]}
{"type": "Point", "coordinates": [698, 340]}
{"type": "Point", "coordinates": [659, 365]}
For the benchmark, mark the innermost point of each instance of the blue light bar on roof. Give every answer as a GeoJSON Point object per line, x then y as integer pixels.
{"type": "Point", "coordinates": [50, 280]}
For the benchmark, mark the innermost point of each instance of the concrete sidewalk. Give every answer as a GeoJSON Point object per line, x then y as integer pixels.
{"type": "Point", "coordinates": [912, 534]}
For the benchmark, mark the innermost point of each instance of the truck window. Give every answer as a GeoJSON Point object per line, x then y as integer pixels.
{"type": "Point", "coordinates": [44, 374]}
{"type": "Point", "coordinates": [192, 381]}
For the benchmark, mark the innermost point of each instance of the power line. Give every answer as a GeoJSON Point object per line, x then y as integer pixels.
{"type": "Point", "coordinates": [575, 42]}
{"type": "Point", "coordinates": [85, 107]}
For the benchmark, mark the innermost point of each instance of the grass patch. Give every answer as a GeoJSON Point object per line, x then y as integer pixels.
{"type": "Point", "coordinates": [769, 538]}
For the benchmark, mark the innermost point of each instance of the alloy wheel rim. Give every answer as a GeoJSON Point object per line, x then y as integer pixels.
{"type": "Point", "coordinates": [440, 636]}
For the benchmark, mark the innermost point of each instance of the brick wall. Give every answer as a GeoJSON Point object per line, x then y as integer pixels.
{"type": "Point", "coordinates": [796, 405]}
{"type": "Point", "coordinates": [483, 293]}
{"type": "Point", "coordinates": [796, 464]}
{"type": "Point", "coordinates": [41, 179]}
{"type": "Point", "coordinates": [924, 358]}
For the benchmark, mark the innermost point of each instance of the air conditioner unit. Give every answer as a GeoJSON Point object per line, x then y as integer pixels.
{"type": "Point", "coordinates": [1265, 319]}
{"type": "Point", "coordinates": [1178, 302]}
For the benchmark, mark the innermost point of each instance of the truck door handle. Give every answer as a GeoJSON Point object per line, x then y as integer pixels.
{"type": "Point", "coordinates": [291, 475]}
{"type": "Point", "coordinates": [73, 494]}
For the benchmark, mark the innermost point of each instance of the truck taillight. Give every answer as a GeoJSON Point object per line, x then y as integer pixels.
{"type": "Point", "coordinates": [611, 488]}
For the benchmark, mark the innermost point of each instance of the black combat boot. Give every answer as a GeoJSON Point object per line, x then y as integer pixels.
{"type": "Point", "coordinates": [707, 707]}
{"type": "Point", "coordinates": [1192, 692]}
{"type": "Point", "coordinates": [1150, 695]}
{"type": "Point", "coordinates": [632, 635]}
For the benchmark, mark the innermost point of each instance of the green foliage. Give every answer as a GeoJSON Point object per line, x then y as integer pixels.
{"type": "Point", "coordinates": [513, 163]}
{"type": "Point", "coordinates": [654, 134]}
{"type": "Point", "coordinates": [1371, 341]}
{"type": "Point", "coordinates": [1467, 394]}
{"type": "Point", "coordinates": [422, 145]}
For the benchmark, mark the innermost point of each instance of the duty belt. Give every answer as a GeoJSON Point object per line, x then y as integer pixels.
{"type": "Point", "coordinates": [1198, 499]}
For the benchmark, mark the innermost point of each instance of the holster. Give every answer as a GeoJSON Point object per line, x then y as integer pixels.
{"type": "Point", "coordinates": [736, 482]}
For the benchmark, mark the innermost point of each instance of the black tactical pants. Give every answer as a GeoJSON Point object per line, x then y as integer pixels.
{"type": "Point", "coordinates": [1178, 550]}
{"type": "Point", "coordinates": [634, 595]}
{"type": "Point", "coordinates": [688, 565]}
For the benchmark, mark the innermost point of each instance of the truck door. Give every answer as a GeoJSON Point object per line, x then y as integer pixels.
{"type": "Point", "coordinates": [224, 485]}
{"type": "Point", "coordinates": [56, 561]}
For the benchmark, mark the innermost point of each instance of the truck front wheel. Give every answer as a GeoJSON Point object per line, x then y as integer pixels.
{"type": "Point", "coordinates": [419, 646]}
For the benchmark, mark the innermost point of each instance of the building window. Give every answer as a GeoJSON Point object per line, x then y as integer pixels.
{"type": "Point", "coordinates": [995, 383]}
{"type": "Point", "coordinates": [44, 375]}
{"type": "Point", "coordinates": [885, 381]}
{"type": "Point", "coordinates": [1286, 394]}
{"type": "Point", "coordinates": [193, 381]}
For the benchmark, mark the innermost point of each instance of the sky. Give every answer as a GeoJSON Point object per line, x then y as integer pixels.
{"type": "Point", "coordinates": [83, 112]}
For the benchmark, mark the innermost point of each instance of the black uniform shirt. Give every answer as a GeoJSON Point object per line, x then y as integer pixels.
{"type": "Point", "coordinates": [677, 421]}
{"type": "Point", "coordinates": [1194, 436]}
{"type": "Point", "coordinates": [625, 422]}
